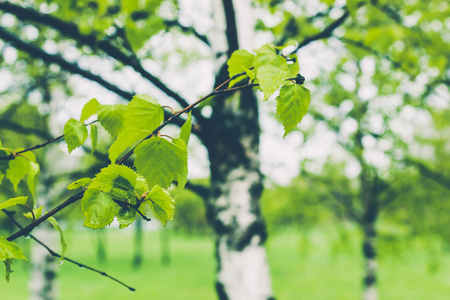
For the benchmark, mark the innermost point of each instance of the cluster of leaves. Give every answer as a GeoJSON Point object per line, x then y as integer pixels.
{"type": "Point", "coordinates": [160, 164]}
{"type": "Point", "coordinates": [274, 72]}
{"type": "Point", "coordinates": [118, 191]}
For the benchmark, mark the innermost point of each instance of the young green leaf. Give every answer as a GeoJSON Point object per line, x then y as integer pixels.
{"type": "Point", "coordinates": [126, 216]}
{"type": "Point", "coordinates": [127, 138]}
{"type": "Point", "coordinates": [36, 211]}
{"type": "Point", "coordinates": [185, 132]}
{"type": "Point", "coordinates": [79, 183]}
{"type": "Point", "coordinates": [13, 202]}
{"type": "Point", "coordinates": [160, 161]}
{"type": "Point", "coordinates": [239, 61]}
{"type": "Point", "coordinates": [111, 117]}
{"type": "Point", "coordinates": [94, 137]}
{"type": "Point", "coordinates": [17, 170]}
{"type": "Point", "coordinates": [8, 263]}
{"type": "Point", "coordinates": [8, 252]}
{"type": "Point", "coordinates": [143, 112]}
{"type": "Point", "coordinates": [114, 176]}
{"type": "Point", "coordinates": [98, 208]}
{"type": "Point", "coordinates": [89, 109]}
{"type": "Point", "coordinates": [31, 178]}
{"type": "Point", "coordinates": [271, 71]}
{"type": "Point", "coordinates": [55, 224]}
{"type": "Point", "coordinates": [75, 133]}
{"type": "Point", "coordinates": [292, 105]}
{"type": "Point", "coordinates": [161, 203]}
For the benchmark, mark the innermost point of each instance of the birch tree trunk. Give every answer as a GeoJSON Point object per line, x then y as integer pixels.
{"type": "Point", "coordinates": [369, 191]}
{"type": "Point", "coordinates": [43, 283]}
{"type": "Point", "coordinates": [236, 181]}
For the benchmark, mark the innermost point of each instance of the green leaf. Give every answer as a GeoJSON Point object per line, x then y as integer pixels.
{"type": "Point", "coordinates": [185, 132]}
{"type": "Point", "coordinates": [10, 250]}
{"type": "Point", "coordinates": [8, 263]}
{"type": "Point", "coordinates": [114, 176]}
{"type": "Point", "coordinates": [89, 109]}
{"type": "Point", "coordinates": [160, 161]}
{"type": "Point", "coordinates": [94, 137]}
{"type": "Point", "coordinates": [98, 208]}
{"type": "Point", "coordinates": [31, 178]}
{"type": "Point", "coordinates": [161, 203]}
{"type": "Point", "coordinates": [36, 211]}
{"type": "Point", "coordinates": [292, 105]}
{"type": "Point", "coordinates": [13, 202]}
{"type": "Point", "coordinates": [239, 61]}
{"type": "Point", "coordinates": [144, 113]}
{"type": "Point", "coordinates": [17, 170]}
{"type": "Point", "coordinates": [127, 138]}
{"type": "Point", "coordinates": [266, 49]}
{"type": "Point", "coordinates": [79, 183]}
{"type": "Point", "coordinates": [75, 133]}
{"type": "Point", "coordinates": [1, 146]}
{"type": "Point", "coordinates": [141, 185]}
{"type": "Point", "coordinates": [126, 217]}
{"type": "Point", "coordinates": [55, 224]}
{"type": "Point", "coordinates": [111, 117]}
{"type": "Point", "coordinates": [271, 71]}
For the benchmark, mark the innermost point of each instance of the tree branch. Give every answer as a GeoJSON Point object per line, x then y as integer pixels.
{"type": "Point", "coordinates": [16, 127]}
{"type": "Point", "coordinates": [430, 173]}
{"type": "Point", "coordinates": [175, 23]}
{"type": "Point", "coordinates": [326, 33]}
{"type": "Point", "coordinates": [71, 30]}
{"type": "Point", "coordinates": [37, 52]}
{"type": "Point", "coordinates": [54, 254]}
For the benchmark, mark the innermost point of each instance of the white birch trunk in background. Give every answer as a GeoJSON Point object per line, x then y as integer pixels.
{"type": "Point", "coordinates": [43, 283]}
{"type": "Point", "coordinates": [236, 181]}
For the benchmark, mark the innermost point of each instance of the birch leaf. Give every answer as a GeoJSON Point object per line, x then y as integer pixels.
{"type": "Point", "coordinates": [98, 208]}
{"type": "Point", "coordinates": [89, 109]}
{"type": "Point", "coordinates": [111, 117]}
{"type": "Point", "coordinates": [127, 138]}
{"type": "Point", "coordinates": [143, 112]}
{"type": "Point", "coordinates": [161, 203]}
{"type": "Point", "coordinates": [160, 161]}
{"type": "Point", "coordinates": [13, 202]}
{"type": "Point", "coordinates": [75, 133]}
{"type": "Point", "coordinates": [292, 105]}
{"type": "Point", "coordinates": [55, 225]}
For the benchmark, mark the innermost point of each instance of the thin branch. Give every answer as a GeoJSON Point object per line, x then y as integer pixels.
{"type": "Point", "coordinates": [133, 206]}
{"type": "Point", "coordinates": [38, 146]}
{"type": "Point", "coordinates": [185, 110]}
{"type": "Point", "coordinates": [26, 230]}
{"type": "Point", "coordinates": [54, 254]}
{"type": "Point", "coordinates": [430, 173]}
{"type": "Point", "coordinates": [175, 23]}
{"type": "Point", "coordinates": [71, 30]}
{"type": "Point", "coordinates": [326, 33]}
{"type": "Point", "coordinates": [37, 52]}
{"type": "Point", "coordinates": [16, 127]}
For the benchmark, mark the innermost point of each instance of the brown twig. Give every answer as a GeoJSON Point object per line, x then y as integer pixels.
{"type": "Point", "coordinates": [54, 254]}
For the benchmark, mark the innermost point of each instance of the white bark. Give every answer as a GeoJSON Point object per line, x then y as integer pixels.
{"type": "Point", "coordinates": [242, 265]}
{"type": "Point", "coordinates": [244, 274]}
{"type": "Point", "coordinates": [43, 274]}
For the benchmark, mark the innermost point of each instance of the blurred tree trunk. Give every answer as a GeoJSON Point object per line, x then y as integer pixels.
{"type": "Point", "coordinates": [232, 140]}
{"type": "Point", "coordinates": [101, 249]}
{"type": "Point", "coordinates": [370, 189]}
{"type": "Point", "coordinates": [43, 280]}
{"type": "Point", "coordinates": [138, 244]}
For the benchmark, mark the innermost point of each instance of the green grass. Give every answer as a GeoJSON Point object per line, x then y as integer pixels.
{"type": "Point", "coordinates": [304, 266]}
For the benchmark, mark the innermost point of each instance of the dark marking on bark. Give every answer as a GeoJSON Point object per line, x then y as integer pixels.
{"type": "Point", "coordinates": [220, 288]}
{"type": "Point", "coordinates": [369, 280]}
{"type": "Point", "coordinates": [369, 250]}
{"type": "Point", "coordinates": [256, 229]}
